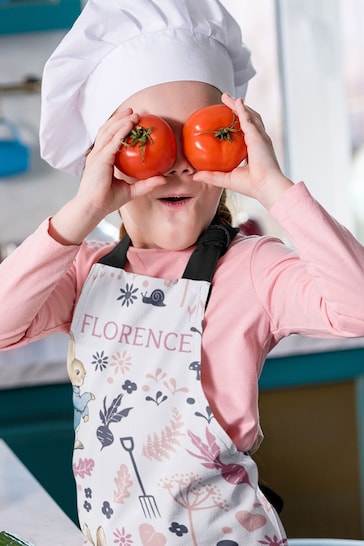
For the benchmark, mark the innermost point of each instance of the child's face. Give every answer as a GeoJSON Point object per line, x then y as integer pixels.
{"type": "Point", "coordinates": [152, 221]}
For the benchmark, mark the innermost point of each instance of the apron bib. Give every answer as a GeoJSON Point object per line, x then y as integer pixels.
{"type": "Point", "coordinates": [152, 465]}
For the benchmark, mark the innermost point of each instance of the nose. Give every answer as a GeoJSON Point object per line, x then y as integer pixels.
{"type": "Point", "coordinates": [181, 164]}
{"type": "Point", "coordinates": [181, 167]}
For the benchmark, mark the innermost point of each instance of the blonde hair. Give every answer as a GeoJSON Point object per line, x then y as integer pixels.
{"type": "Point", "coordinates": [223, 216]}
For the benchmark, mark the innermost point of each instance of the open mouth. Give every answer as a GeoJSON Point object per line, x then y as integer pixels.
{"type": "Point", "coordinates": [172, 199]}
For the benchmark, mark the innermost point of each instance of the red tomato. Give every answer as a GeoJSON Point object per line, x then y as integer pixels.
{"type": "Point", "coordinates": [213, 140]}
{"type": "Point", "coordinates": [150, 149]}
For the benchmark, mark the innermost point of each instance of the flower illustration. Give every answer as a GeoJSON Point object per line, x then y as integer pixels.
{"type": "Point", "coordinates": [87, 506]}
{"type": "Point", "coordinates": [122, 538]}
{"type": "Point", "coordinates": [178, 528]}
{"type": "Point", "coordinates": [100, 361]}
{"type": "Point", "coordinates": [128, 296]}
{"type": "Point", "coordinates": [88, 493]}
{"type": "Point", "coordinates": [121, 362]}
{"type": "Point", "coordinates": [107, 510]}
{"type": "Point", "coordinates": [129, 386]}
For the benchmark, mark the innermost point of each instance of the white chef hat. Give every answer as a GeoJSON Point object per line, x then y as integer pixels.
{"type": "Point", "coordinates": [118, 47]}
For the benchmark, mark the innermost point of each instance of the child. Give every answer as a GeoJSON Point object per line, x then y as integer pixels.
{"type": "Point", "coordinates": [170, 332]}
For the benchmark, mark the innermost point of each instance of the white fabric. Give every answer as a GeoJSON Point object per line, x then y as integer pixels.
{"type": "Point", "coordinates": [150, 460]}
{"type": "Point", "coordinates": [118, 47]}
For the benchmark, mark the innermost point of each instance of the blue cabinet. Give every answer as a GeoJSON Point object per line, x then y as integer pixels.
{"type": "Point", "coordinates": [37, 424]}
{"type": "Point", "coordinates": [36, 15]}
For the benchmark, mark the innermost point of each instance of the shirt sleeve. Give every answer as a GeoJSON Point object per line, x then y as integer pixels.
{"type": "Point", "coordinates": [316, 288]}
{"type": "Point", "coordinates": [40, 284]}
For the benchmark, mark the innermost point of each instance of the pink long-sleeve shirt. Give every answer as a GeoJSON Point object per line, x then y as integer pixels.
{"type": "Point", "coordinates": [262, 291]}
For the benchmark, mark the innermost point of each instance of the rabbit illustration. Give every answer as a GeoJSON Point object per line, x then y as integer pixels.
{"type": "Point", "coordinates": [76, 371]}
{"type": "Point", "coordinates": [100, 536]}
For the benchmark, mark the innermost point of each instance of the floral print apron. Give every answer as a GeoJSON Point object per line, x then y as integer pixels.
{"type": "Point", "coordinates": [153, 467]}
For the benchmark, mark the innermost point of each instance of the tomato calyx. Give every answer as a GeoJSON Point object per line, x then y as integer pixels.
{"type": "Point", "coordinates": [138, 135]}
{"type": "Point", "coordinates": [212, 139]}
{"type": "Point", "coordinates": [224, 133]}
{"type": "Point", "coordinates": [149, 149]}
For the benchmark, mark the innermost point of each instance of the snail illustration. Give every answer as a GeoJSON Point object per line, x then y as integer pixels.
{"type": "Point", "coordinates": [156, 298]}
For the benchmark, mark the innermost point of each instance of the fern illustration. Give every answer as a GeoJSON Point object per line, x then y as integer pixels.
{"type": "Point", "coordinates": [160, 446]}
{"type": "Point", "coordinates": [123, 483]}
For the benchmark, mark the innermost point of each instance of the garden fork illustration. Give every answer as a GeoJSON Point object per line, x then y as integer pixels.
{"type": "Point", "coordinates": [147, 502]}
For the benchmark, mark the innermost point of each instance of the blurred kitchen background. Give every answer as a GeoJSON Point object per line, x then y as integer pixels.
{"type": "Point", "coordinates": [309, 89]}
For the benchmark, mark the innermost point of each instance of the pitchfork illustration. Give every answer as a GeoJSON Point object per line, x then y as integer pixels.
{"type": "Point", "coordinates": [147, 502]}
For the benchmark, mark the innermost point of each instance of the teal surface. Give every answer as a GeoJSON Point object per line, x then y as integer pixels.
{"type": "Point", "coordinates": [312, 369]}
{"type": "Point", "coordinates": [37, 424]}
{"type": "Point", "coordinates": [17, 16]}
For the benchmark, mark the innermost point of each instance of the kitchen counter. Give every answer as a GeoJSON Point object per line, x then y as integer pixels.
{"type": "Point", "coordinates": [28, 511]}
{"type": "Point", "coordinates": [40, 363]}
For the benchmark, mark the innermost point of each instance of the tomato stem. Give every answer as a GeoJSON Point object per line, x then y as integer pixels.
{"type": "Point", "coordinates": [224, 133]}
{"type": "Point", "coordinates": [139, 135]}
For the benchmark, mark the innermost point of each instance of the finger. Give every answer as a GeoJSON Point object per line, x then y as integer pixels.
{"type": "Point", "coordinates": [228, 100]}
{"type": "Point", "coordinates": [236, 105]}
{"type": "Point", "coordinates": [240, 109]}
{"type": "Point", "coordinates": [215, 178]}
{"type": "Point", "coordinates": [246, 114]}
{"type": "Point", "coordinates": [108, 143]}
{"type": "Point", "coordinates": [142, 187]}
{"type": "Point", "coordinates": [120, 124]}
{"type": "Point", "coordinates": [249, 117]}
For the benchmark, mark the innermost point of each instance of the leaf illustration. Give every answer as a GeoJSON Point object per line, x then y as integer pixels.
{"type": "Point", "coordinates": [159, 375]}
{"type": "Point", "coordinates": [102, 417]}
{"type": "Point", "coordinates": [113, 408]}
{"type": "Point", "coordinates": [160, 397]}
{"type": "Point", "coordinates": [209, 415]}
{"type": "Point", "coordinates": [213, 447]}
{"type": "Point", "coordinates": [123, 483]}
{"type": "Point", "coordinates": [83, 468]}
{"type": "Point", "coordinates": [208, 465]}
{"type": "Point", "coordinates": [118, 416]}
{"type": "Point", "coordinates": [160, 372]}
{"type": "Point", "coordinates": [209, 452]}
{"type": "Point", "coordinates": [171, 385]}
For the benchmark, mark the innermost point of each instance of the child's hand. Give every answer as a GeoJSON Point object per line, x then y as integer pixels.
{"type": "Point", "coordinates": [99, 186]}
{"type": "Point", "coordinates": [100, 191]}
{"type": "Point", "coordinates": [261, 178]}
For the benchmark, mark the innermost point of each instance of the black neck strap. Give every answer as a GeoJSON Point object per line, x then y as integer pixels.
{"type": "Point", "coordinates": [210, 246]}
{"type": "Point", "coordinates": [117, 256]}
